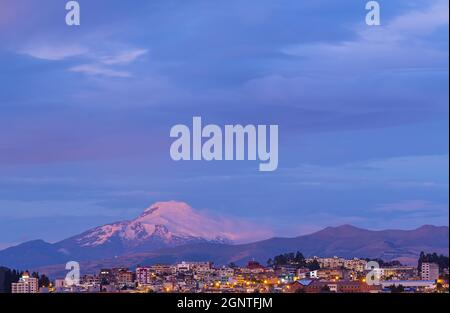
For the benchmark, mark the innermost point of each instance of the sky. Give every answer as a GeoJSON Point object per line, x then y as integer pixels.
{"type": "Point", "coordinates": [86, 111]}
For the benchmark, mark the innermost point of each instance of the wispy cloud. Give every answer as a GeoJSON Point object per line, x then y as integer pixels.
{"type": "Point", "coordinates": [110, 65]}
{"type": "Point", "coordinates": [53, 52]}
{"type": "Point", "coordinates": [125, 57]}
{"type": "Point", "coordinates": [348, 100]}
{"type": "Point", "coordinates": [411, 206]}
{"type": "Point", "coordinates": [428, 171]}
{"type": "Point", "coordinates": [386, 45]}
{"type": "Point", "coordinates": [94, 63]}
{"type": "Point", "coordinates": [95, 69]}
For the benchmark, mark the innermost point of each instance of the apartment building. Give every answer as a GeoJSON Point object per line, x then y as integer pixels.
{"type": "Point", "coordinates": [429, 271]}
{"type": "Point", "coordinates": [26, 284]}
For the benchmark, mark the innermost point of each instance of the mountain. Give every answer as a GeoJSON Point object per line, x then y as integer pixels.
{"type": "Point", "coordinates": [173, 231]}
{"type": "Point", "coordinates": [345, 241]}
{"type": "Point", "coordinates": [162, 225]}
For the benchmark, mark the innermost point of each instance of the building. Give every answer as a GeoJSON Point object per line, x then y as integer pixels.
{"type": "Point", "coordinates": [318, 286]}
{"type": "Point", "coordinates": [355, 287]}
{"type": "Point", "coordinates": [330, 274]}
{"type": "Point", "coordinates": [226, 271]}
{"type": "Point", "coordinates": [106, 276]}
{"type": "Point", "coordinates": [193, 266]}
{"type": "Point", "coordinates": [60, 283]}
{"type": "Point", "coordinates": [398, 272]}
{"type": "Point", "coordinates": [253, 267]}
{"type": "Point", "coordinates": [417, 284]}
{"type": "Point", "coordinates": [124, 277]}
{"type": "Point", "coordinates": [90, 279]}
{"type": "Point", "coordinates": [331, 263]}
{"type": "Point", "coordinates": [429, 271]}
{"type": "Point", "coordinates": [162, 269]}
{"type": "Point", "coordinates": [355, 264]}
{"type": "Point", "coordinates": [287, 270]}
{"type": "Point", "coordinates": [144, 275]}
{"type": "Point", "coordinates": [26, 284]}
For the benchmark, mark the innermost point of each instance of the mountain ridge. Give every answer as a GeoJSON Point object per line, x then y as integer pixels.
{"type": "Point", "coordinates": [386, 244]}
{"type": "Point", "coordinates": [162, 225]}
{"type": "Point", "coordinates": [389, 246]}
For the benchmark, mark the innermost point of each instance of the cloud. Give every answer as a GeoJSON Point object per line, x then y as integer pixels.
{"type": "Point", "coordinates": [39, 208]}
{"type": "Point", "coordinates": [108, 65]}
{"type": "Point", "coordinates": [124, 57]}
{"type": "Point", "coordinates": [95, 61]}
{"type": "Point", "coordinates": [54, 52]}
{"type": "Point", "coordinates": [94, 69]}
{"type": "Point", "coordinates": [389, 45]}
{"type": "Point", "coordinates": [242, 230]}
{"type": "Point", "coordinates": [413, 212]}
{"type": "Point", "coordinates": [411, 206]}
{"type": "Point", "coordinates": [239, 62]}
{"type": "Point", "coordinates": [428, 171]}
{"type": "Point", "coordinates": [421, 22]}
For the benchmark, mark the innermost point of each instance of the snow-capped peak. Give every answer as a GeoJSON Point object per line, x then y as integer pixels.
{"type": "Point", "coordinates": [168, 207]}
{"type": "Point", "coordinates": [183, 221]}
{"type": "Point", "coordinates": [164, 223]}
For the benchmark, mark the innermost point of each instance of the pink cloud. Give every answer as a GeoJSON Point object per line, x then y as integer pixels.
{"type": "Point", "coordinates": [410, 206]}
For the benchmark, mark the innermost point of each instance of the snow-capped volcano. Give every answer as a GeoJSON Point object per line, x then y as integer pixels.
{"type": "Point", "coordinates": [170, 223]}
{"type": "Point", "coordinates": [164, 224]}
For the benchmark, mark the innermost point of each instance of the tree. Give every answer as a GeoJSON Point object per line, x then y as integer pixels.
{"type": "Point", "coordinates": [44, 281]}
{"type": "Point", "coordinates": [441, 260]}
{"type": "Point", "coordinates": [382, 263]}
{"type": "Point", "coordinates": [290, 258]}
{"type": "Point", "coordinates": [104, 281]}
{"type": "Point", "coordinates": [7, 277]}
{"type": "Point", "coordinates": [397, 289]}
{"type": "Point", "coordinates": [313, 266]}
{"type": "Point", "coordinates": [299, 258]}
{"type": "Point", "coordinates": [232, 265]}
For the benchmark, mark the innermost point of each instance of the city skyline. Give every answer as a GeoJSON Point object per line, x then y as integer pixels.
{"type": "Point", "coordinates": [285, 273]}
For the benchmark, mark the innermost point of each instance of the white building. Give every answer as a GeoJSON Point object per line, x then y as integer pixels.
{"type": "Point", "coordinates": [429, 271]}
{"type": "Point", "coordinates": [193, 266]}
{"type": "Point", "coordinates": [425, 284]}
{"type": "Point", "coordinates": [331, 263]}
{"type": "Point", "coordinates": [355, 264]}
{"type": "Point", "coordinates": [60, 283]}
{"type": "Point", "coordinates": [26, 284]}
{"type": "Point", "coordinates": [144, 275]}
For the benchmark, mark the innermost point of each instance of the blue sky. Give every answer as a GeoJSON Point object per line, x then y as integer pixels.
{"type": "Point", "coordinates": [86, 112]}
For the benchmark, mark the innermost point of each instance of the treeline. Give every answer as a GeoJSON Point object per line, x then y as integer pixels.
{"type": "Point", "coordinates": [441, 260]}
{"type": "Point", "coordinates": [383, 263]}
{"type": "Point", "coordinates": [297, 259]}
{"type": "Point", "coordinates": [8, 276]}
{"type": "Point", "coordinates": [293, 259]}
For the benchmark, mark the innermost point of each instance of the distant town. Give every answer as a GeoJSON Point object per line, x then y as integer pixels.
{"type": "Point", "coordinates": [286, 273]}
